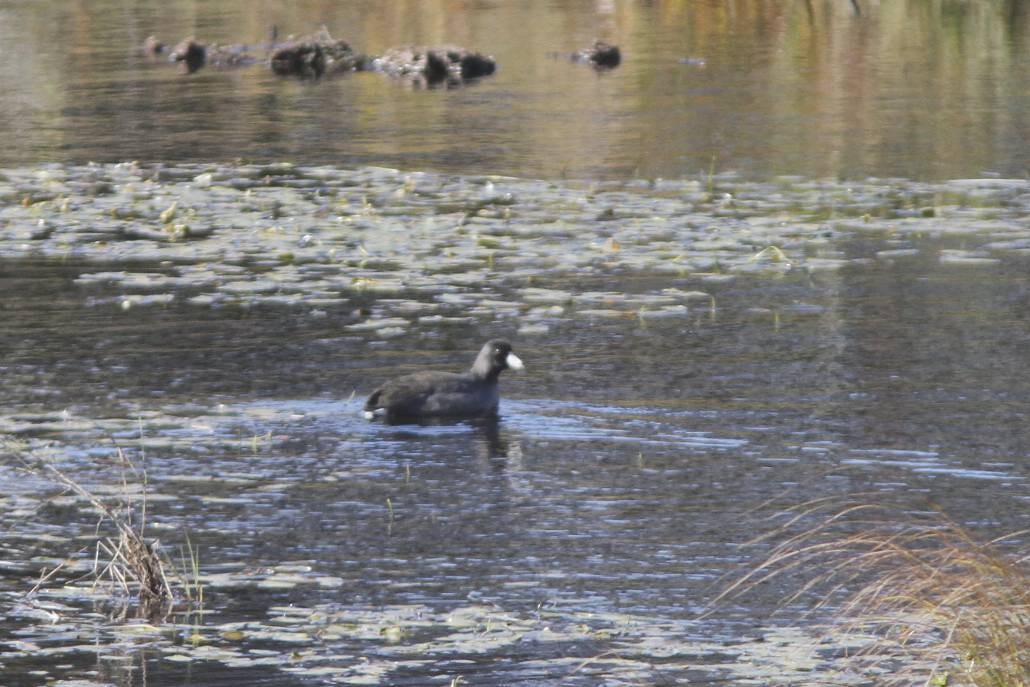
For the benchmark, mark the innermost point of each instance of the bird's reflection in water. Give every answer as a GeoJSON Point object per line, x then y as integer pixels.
{"type": "Point", "coordinates": [491, 441]}
{"type": "Point", "coordinates": [494, 444]}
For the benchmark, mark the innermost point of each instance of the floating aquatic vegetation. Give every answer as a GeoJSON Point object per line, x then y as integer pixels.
{"type": "Point", "coordinates": [318, 237]}
{"type": "Point", "coordinates": [965, 257]}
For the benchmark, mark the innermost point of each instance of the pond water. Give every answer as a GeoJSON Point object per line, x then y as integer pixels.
{"type": "Point", "coordinates": [680, 373]}
{"type": "Point", "coordinates": [826, 295]}
{"type": "Point", "coordinates": [913, 89]}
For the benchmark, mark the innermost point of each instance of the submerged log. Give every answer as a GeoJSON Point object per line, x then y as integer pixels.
{"type": "Point", "coordinates": [319, 54]}
{"type": "Point", "coordinates": [192, 55]}
{"type": "Point", "coordinates": [298, 59]}
{"type": "Point", "coordinates": [601, 55]}
{"type": "Point", "coordinates": [435, 65]}
{"type": "Point", "coordinates": [315, 55]}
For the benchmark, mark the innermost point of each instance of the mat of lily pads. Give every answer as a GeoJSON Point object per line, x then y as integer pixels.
{"type": "Point", "coordinates": [433, 249]}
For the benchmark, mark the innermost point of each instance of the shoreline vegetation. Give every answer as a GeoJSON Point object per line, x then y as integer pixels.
{"type": "Point", "coordinates": [942, 604]}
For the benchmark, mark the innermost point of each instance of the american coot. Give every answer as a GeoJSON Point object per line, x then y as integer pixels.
{"type": "Point", "coordinates": [446, 394]}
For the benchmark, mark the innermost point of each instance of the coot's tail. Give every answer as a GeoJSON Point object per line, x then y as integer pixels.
{"type": "Point", "coordinates": [372, 404]}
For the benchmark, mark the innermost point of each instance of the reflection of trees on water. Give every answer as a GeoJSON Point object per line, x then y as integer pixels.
{"type": "Point", "coordinates": [820, 88]}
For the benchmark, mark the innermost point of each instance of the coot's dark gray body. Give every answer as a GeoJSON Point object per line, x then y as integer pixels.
{"type": "Point", "coordinates": [446, 394]}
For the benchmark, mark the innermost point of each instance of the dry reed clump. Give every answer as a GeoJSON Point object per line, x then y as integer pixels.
{"type": "Point", "coordinates": [128, 560]}
{"type": "Point", "coordinates": [943, 607]}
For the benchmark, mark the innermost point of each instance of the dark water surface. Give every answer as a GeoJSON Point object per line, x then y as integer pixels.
{"type": "Point", "coordinates": [912, 89]}
{"type": "Point", "coordinates": [575, 540]}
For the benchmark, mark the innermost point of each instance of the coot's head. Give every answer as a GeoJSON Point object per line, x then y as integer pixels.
{"type": "Point", "coordinates": [495, 357]}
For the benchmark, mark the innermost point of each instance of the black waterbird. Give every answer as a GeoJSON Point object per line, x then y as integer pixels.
{"type": "Point", "coordinates": [433, 394]}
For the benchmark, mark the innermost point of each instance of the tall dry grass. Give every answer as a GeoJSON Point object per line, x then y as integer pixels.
{"type": "Point", "coordinates": [127, 559]}
{"type": "Point", "coordinates": [942, 605]}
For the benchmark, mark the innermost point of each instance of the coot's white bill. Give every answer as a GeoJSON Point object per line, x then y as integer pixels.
{"type": "Point", "coordinates": [514, 362]}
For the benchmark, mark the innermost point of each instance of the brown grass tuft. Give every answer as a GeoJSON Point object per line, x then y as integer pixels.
{"type": "Point", "coordinates": [128, 560]}
{"type": "Point", "coordinates": [943, 606]}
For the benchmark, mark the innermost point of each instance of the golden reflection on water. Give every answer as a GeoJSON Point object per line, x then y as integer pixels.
{"type": "Point", "coordinates": [910, 88]}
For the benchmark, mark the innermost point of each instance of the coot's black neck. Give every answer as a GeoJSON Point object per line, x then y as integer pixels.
{"type": "Point", "coordinates": [484, 368]}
